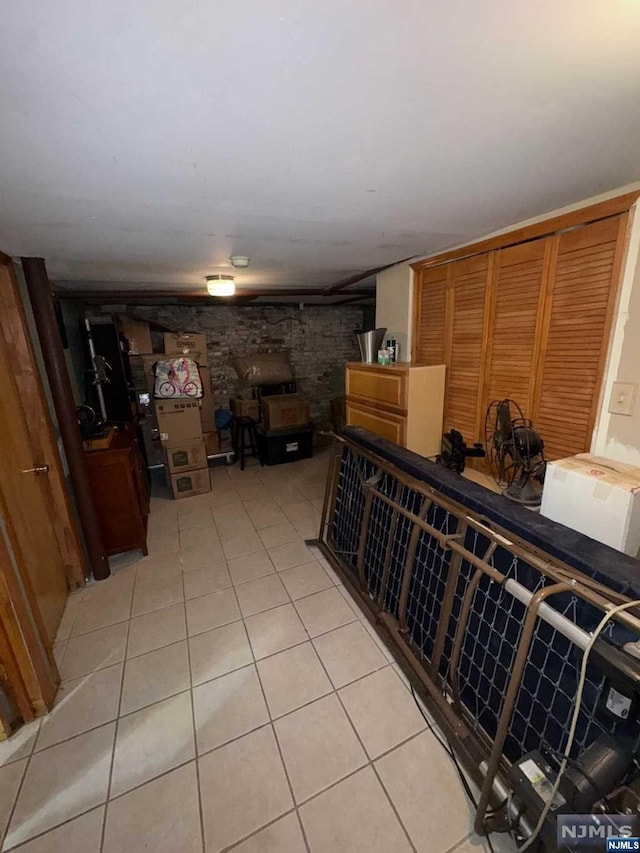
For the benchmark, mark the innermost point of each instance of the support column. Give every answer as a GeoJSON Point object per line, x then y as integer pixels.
{"type": "Point", "coordinates": [35, 274]}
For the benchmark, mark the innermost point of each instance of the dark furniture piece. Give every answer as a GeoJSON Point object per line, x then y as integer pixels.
{"type": "Point", "coordinates": [245, 428]}
{"type": "Point", "coordinates": [110, 344]}
{"type": "Point", "coordinates": [285, 445]}
{"type": "Point", "coordinates": [119, 487]}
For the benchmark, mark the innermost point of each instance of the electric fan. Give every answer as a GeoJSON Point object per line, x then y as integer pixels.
{"type": "Point", "coordinates": [516, 452]}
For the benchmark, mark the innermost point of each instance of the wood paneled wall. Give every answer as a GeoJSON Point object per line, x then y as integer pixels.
{"type": "Point", "coordinates": [529, 320]}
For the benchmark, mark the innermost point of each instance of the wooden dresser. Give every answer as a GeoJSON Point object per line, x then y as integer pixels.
{"type": "Point", "coordinates": [400, 402]}
{"type": "Point", "coordinates": [119, 488]}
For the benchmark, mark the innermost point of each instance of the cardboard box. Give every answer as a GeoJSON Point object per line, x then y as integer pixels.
{"type": "Point", "coordinates": [187, 343]}
{"type": "Point", "coordinates": [245, 408]}
{"type": "Point", "coordinates": [212, 443]}
{"type": "Point", "coordinates": [138, 334]}
{"type": "Point", "coordinates": [179, 422]}
{"type": "Point", "coordinates": [207, 409]}
{"type": "Point", "coordinates": [596, 496]}
{"type": "Point", "coordinates": [187, 457]}
{"type": "Point", "coordinates": [281, 412]}
{"type": "Point", "coordinates": [189, 483]}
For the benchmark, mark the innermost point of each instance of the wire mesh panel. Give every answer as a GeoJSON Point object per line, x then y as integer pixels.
{"type": "Point", "coordinates": [545, 702]}
{"type": "Point", "coordinates": [349, 509]}
{"type": "Point", "coordinates": [411, 501]}
{"type": "Point", "coordinates": [379, 534]}
{"type": "Point", "coordinates": [491, 638]}
{"type": "Point", "coordinates": [465, 603]}
{"type": "Point", "coordinates": [428, 578]}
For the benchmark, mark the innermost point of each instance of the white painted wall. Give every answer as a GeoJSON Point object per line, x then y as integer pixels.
{"type": "Point", "coordinates": [394, 300]}
{"type": "Point", "coordinates": [618, 436]}
{"type": "Point", "coordinates": [615, 436]}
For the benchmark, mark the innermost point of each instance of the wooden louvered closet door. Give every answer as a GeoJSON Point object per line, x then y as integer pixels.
{"type": "Point", "coordinates": [517, 293]}
{"type": "Point", "coordinates": [431, 308]}
{"type": "Point", "coordinates": [466, 298]}
{"type": "Point", "coordinates": [584, 272]}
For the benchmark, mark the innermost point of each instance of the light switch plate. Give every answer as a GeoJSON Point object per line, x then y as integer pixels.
{"type": "Point", "coordinates": [623, 397]}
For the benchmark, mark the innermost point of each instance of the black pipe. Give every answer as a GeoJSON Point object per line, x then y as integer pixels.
{"type": "Point", "coordinates": [35, 274]}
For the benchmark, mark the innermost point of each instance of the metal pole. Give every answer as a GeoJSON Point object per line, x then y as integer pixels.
{"type": "Point", "coordinates": [97, 377]}
{"type": "Point", "coordinates": [35, 274]}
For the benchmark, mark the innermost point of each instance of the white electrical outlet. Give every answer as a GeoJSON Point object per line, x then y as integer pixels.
{"type": "Point", "coordinates": [623, 397]}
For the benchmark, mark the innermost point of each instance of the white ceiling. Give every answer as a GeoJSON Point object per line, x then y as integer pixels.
{"type": "Point", "coordinates": [144, 142]}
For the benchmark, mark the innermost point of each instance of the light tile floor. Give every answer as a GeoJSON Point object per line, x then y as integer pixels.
{"type": "Point", "coordinates": [225, 693]}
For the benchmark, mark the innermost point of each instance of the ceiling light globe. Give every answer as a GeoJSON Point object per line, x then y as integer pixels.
{"type": "Point", "coordinates": [221, 285]}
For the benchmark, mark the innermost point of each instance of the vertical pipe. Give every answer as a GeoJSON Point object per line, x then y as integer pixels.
{"type": "Point", "coordinates": [35, 274]}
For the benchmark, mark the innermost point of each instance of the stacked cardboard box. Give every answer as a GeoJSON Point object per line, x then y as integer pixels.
{"type": "Point", "coordinates": [284, 411]}
{"type": "Point", "coordinates": [183, 423]}
{"type": "Point", "coordinates": [184, 451]}
{"type": "Point", "coordinates": [245, 408]}
{"type": "Point", "coordinates": [186, 427]}
{"type": "Point", "coordinates": [285, 433]}
{"type": "Point", "coordinates": [186, 343]}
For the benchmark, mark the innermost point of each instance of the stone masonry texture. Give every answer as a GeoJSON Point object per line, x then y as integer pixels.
{"type": "Point", "coordinates": [318, 339]}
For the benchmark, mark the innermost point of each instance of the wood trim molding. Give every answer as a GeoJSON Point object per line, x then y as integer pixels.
{"type": "Point", "coordinates": [546, 227]}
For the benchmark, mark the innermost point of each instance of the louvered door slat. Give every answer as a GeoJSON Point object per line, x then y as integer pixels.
{"type": "Point", "coordinates": [578, 331]}
{"type": "Point", "coordinates": [468, 283]}
{"type": "Point", "coordinates": [432, 297]}
{"type": "Point", "coordinates": [518, 279]}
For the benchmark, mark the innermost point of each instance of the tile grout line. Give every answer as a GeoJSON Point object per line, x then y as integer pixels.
{"type": "Point", "coordinates": [124, 662]}
{"type": "Point", "coordinates": [271, 721]}
{"type": "Point", "coordinates": [273, 732]}
{"type": "Point", "coordinates": [20, 787]}
{"type": "Point", "coordinates": [208, 680]}
{"type": "Point", "coordinates": [359, 739]}
{"type": "Point", "coordinates": [253, 834]}
{"type": "Point", "coordinates": [237, 737]}
{"type": "Point", "coordinates": [42, 834]}
{"type": "Point", "coordinates": [32, 750]}
{"type": "Point", "coordinates": [193, 724]}
{"type": "Point", "coordinates": [33, 753]}
{"type": "Point", "coordinates": [117, 726]}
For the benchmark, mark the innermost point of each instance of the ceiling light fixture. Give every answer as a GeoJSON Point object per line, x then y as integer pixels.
{"type": "Point", "coordinates": [240, 262]}
{"type": "Point", "coordinates": [221, 285]}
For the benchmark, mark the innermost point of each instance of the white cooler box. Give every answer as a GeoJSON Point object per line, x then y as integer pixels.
{"type": "Point", "coordinates": [596, 496]}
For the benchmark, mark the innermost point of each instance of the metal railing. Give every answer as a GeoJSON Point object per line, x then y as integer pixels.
{"type": "Point", "coordinates": [490, 629]}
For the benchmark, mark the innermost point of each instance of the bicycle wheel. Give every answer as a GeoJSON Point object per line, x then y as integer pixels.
{"type": "Point", "coordinates": [167, 389]}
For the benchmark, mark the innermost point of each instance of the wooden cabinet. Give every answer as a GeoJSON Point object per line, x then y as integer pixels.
{"type": "Point", "coordinates": [399, 402]}
{"type": "Point", "coordinates": [526, 315]}
{"type": "Point", "coordinates": [119, 489]}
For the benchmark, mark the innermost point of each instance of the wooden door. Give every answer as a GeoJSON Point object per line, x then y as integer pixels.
{"type": "Point", "coordinates": [583, 288]}
{"type": "Point", "coordinates": [41, 535]}
{"type": "Point", "coordinates": [518, 295]}
{"type": "Point", "coordinates": [14, 330]}
{"type": "Point", "coordinates": [430, 307]}
{"type": "Point", "coordinates": [466, 329]}
{"type": "Point", "coordinates": [25, 508]}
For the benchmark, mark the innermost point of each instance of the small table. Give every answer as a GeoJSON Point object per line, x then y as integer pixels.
{"type": "Point", "coordinates": [243, 428]}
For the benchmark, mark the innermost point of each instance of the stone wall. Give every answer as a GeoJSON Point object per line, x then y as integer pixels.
{"type": "Point", "coordinates": [319, 340]}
